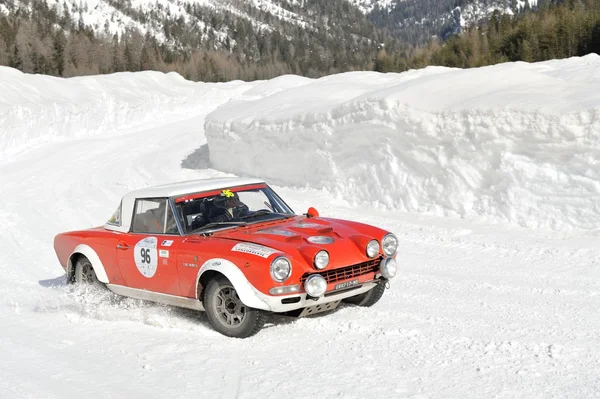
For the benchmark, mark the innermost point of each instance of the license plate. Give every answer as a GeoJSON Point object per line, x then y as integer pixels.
{"type": "Point", "coordinates": [346, 284]}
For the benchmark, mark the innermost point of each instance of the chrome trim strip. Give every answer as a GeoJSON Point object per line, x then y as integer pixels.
{"type": "Point", "coordinates": [173, 300]}
{"type": "Point", "coordinates": [175, 216]}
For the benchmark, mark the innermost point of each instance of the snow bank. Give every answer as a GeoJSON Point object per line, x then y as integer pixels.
{"type": "Point", "coordinates": [36, 109]}
{"type": "Point", "coordinates": [516, 142]}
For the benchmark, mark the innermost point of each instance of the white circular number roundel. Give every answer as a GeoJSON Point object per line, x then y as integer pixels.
{"type": "Point", "coordinates": [146, 257]}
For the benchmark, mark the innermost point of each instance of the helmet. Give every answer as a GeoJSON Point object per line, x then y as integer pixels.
{"type": "Point", "coordinates": [226, 199]}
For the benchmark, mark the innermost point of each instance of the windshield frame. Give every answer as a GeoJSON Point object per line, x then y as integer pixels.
{"type": "Point", "coordinates": [280, 208]}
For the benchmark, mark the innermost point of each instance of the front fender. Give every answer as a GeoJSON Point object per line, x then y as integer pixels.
{"type": "Point", "coordinates": [249, 295]}
{"type": "Point", "coordinates": [94, 259]}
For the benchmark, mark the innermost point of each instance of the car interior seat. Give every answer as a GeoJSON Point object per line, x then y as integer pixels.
{"type": "Point", "coordinates": [198, 215]}
{"type": "Point", "coordinates": [150, 221]}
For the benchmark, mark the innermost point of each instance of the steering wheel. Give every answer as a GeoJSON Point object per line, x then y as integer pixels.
{"type": "Point", "coordinates": [198, 221]}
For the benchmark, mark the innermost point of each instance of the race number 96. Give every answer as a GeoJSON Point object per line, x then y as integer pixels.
{"type": "Point", "coordinates": [145, 255]}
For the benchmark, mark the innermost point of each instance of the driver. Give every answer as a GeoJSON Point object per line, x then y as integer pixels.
{"type": "Point", "coordinates": [227, 206]}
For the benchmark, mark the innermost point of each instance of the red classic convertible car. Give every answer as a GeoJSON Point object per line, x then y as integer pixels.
{"type": "Point", "coordinates": [233, 248]}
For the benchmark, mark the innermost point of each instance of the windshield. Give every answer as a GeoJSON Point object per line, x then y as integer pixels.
{"type": "Point", "coordinates": [231, 207]}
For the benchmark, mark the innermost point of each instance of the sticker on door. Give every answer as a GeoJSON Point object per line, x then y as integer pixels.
{"type": "Point", "coordinates": [145, 256]}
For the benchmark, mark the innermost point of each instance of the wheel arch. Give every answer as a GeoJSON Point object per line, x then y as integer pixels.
{"type": "Point", "coordinates": [91, 255]}
{"type": "Point", "coordinates": [249, 295]}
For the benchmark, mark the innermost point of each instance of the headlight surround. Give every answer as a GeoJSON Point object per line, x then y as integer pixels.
{"type": "Point", "coordinates": [281, 269]}
{"type": "Point", "coordinates": [315, 285]}
{"type": "Point", "coordinates": [389, 244]}
{"type": "Point", "coordinates": [388, 268]}
{"type": "Point", "coordinates": [372, 248]}
{"type": "Point", "coordinates": [321, 259]}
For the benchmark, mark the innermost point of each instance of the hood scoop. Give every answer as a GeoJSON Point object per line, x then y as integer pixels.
{"type": "Point", "coordinates": [286, 235]}
{"type": "Point", "coordinates": [325, 230]}
{"type": "Point", "coordinates": [294, 238]}
{"type": "Point", "coordinates": [311, 228]}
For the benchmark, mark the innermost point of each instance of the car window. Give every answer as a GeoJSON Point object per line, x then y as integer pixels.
{"type": "Point", "coordinates": [116, 217]}
{"type": "Point", "coordinates": [153, 216]}
{"type": "Point", "coordinates": [255, 199]}
{"type": "Point", "coordinates": [193, 213]}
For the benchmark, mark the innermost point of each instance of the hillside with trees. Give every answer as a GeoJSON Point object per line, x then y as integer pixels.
{"type": "Point", "coordinates": [417, 21]}
{"type": "Point", "coordinates": [313, 38]}
{"type": "Point", "coordinates": [208, 44]}
{"type": "Point", "coordinates": [554, 30]}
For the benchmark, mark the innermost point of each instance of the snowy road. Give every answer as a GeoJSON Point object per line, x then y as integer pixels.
{"type": "Point", "coordinates": [477, 310]}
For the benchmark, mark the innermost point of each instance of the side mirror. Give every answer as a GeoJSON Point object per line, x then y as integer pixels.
{"type": "Point", "coordinates": [312, 213]}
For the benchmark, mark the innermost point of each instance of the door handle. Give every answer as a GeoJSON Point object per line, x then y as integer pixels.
{"type": "Point", "coordinates": [122, 245]}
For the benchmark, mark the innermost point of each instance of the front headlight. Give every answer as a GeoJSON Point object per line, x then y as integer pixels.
{"type": "Point", "coordinates": [321, 259]}
{"type": "Point", "coordinates": [315, 285]}
{"type": "Point", "coordinates": [389, 244]}
{"type": "Point", "coordinates": [281, 269]}
{"type": "Point", "coordinates": [372, 248]}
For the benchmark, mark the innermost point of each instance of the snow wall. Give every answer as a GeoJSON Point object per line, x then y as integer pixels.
{"type": "Point", "coordinates": [515, 142]}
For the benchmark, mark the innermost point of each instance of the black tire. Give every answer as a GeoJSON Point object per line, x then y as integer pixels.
{"type": "Point", "coordinates": [226, 312]}
{"type": "Point", "coordinates": [84, 273]}
{"type": "Point", "coordinates": [368, 298]}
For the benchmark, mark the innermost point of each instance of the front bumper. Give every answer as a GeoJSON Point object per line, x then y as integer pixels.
{"type": "Point", "coordinates": [287, 303]}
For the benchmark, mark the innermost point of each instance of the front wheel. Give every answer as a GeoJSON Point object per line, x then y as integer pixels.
{"type": "Point", "coordinates": [227, 313]}
{"type": "Point", "coordinates": [368, 298]}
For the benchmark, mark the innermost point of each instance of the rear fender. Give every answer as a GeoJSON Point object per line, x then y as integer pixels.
{"type": "Point", "coordinates": [249, 295]}
{"type": "Point", "coordinates": [94, 259]}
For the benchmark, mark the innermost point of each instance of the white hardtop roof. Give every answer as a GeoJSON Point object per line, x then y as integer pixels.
{"type": "Point", "coordinates": [190, 187]}
{"type": "Point", "coordinates": [174, 190]}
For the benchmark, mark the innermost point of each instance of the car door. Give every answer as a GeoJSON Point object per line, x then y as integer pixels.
{"type": "Point", "coordinates": [147, 255]}
{"type": "Point", "coordinates": [194, 251]}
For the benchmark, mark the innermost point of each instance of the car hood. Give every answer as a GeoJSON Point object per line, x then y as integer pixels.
{"type": "Point", "coordinates": [302, 237]}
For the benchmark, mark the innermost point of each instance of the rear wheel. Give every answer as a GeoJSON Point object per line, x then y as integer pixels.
{"type": "Point", "coordinates": [84, 272]}
{"type": "Point", "coordinates": [368, 298]}
{"type": "Point", "coordinates": [227, 313]}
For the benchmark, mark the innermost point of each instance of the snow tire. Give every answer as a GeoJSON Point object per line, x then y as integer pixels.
{"type": "Point", "coordinates": [84, 272]}
{"type": "Point", "coordinates": [368, 298]}
{"type": "Point", "coordinates": [227, 313]}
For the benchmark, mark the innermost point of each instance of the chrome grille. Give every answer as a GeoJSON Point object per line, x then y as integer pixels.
{"type": "Point", "coordinates": [347, 272]}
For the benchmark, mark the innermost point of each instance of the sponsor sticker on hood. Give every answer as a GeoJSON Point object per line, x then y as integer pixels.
{"type": "Point", "coordinates": [254, 249]}
{"type": "Point", "coordinates": [320, 240]}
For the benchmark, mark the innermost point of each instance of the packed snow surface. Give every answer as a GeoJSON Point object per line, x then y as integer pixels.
{"type": "Point", "coordinates": [517, 142]}
{"type": "Point", "coordinates": [477, 310]}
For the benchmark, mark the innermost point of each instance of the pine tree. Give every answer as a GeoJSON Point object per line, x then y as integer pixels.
{"type": "Point", "coordinates": [4, 54]}
{"type": "Point", "coordinates": [58, 55]}
{"type": "Point", "coordinates": [23, 46]}
{"type": "Point", "coordinates": [117, 55]}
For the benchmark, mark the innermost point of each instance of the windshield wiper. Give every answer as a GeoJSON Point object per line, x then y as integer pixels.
{"type": "Point", "coordinates": [217, 224]}
{"type": "Point", "coordinates": [263, 212]}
